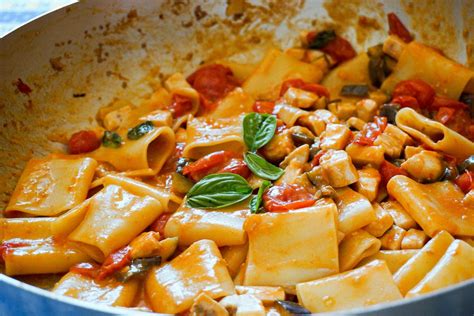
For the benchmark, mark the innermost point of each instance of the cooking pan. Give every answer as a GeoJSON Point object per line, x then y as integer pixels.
{"type": "Point", "coordinates": [80, 57]}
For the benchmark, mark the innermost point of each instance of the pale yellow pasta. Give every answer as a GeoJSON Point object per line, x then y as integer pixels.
{"type": "Point", "coordinates": [393, 258]}
{"type": "Point", "coordinates": [50, 186]}
{"type": "Point", "coordinates": [365, 286]}
{"type": "Point", "coordinates": [224, 227]}
{"type": "Point", "coordinates": [177, 85]}
{"type": "Point", "coordinates": [114, 217]}
{"type": "Point", "coordinates": [107, 292]}
{"type": "Point", "coordinates": [418, 61]}
{"type": "Point", "coordinates": [399, 215]}
{"type": "Point", "coordinates": [145, 155]}
{"type": "Point", "coordinates": [234, 257]}
{"type": "Point", "coordinates": [415, 269]}
{"type": "Point", "coordinates": [414, 239]}
{"type": "Point", "coordinates": [275, 68]}
{"type": "Point", "coordinates": [234, 104]}
{"type": "Point", "coordinates": [392, 239]}
{"type": "Point", "coordinates": [434, 134]}
{"type": "Point", "coordinates": [355, 211]}
{"type": "Point", "coordinates": [276, 258]}
{"type": "Point", "coordinates": [382, 222]}
{"type": "Point", "coordinates": [206, 135]}
{"type": "Point", "coordinates": [435, 207]}
{"type": "Point", "coordinates": [455, 266]}
{"type": "Point", "coordinates": [41, 256]}
{"type": "Point", "coordinates": [172, 287]}
{"type": "Point", "coordinates": [267, 294]}
{"type": "Point", "coordinates": [355, 247]}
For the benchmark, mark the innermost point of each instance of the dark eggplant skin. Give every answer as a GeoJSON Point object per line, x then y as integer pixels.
{"type": "Point", "coordinates": [389, 111]}
{"type": "Point", "coordinates": [467, 164]}
{"type": "Point", "coordinates": [301, 139]}
{"type": "Point", "coordinates": [293, 308]}
{"type": "Point", "coordinates": [355, 90]}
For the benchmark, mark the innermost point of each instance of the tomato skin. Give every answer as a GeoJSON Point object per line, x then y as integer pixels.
{"type": "Point", "coordinates": [300, 84]}
{"type": "Point", "coordinates": [371, 131]}
{"type": "Point", "coordinates": [83, 142]}
{"type": "Point", "coordinates": [180, 105]}
{"type": "Point", "coordinates": [286, 197]}
{"type": "Point", "coordinates": [389, 170]}
{"type": "Point", "coordinates": [115, 262]}
{"type": "Point", "coordinates": [396, 27]}
{"type": "Point", "coordinates": [87, 269]}
{"type": "Point", "coordinates": [236, 166]}
{"type": "Point", "coordinates": [208, 164]}
{"type": "Point", "coordinates": [416, 88]}
{"type": "Point", "coordinates": [264, 107]}
{"type": "Point", "coordinates": [160, 223]}
{"type": "Point", "coordinates": [440, 102]}
{"type": "Point", "coordinates": [407, 101]}
{"type": "Point", "coordinates": [339, 49]}
{"type": "Point", "coordinates": [23, 87]}
{"type": "Point", "coordinates": [445, 114]}
{"type": "Point", "coordinates": [213, 81]}
{"type": "Point", "coordinates": [461, 122]}
{"type": "Point", "coordinates": [465, 181]}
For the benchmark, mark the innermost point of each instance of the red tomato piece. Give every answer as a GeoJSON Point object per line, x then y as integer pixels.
{"type": "Point", "coordinates": [87, 269]}
{"type": "Point", "coordinates": [416, 88]}
{"type": "Point", "coordinates": [396, 27]}
{"type": "Point", "coordinates": [213, 82]}
{"type": "Point", "coordinates": [264, 107]}
{"type": "Point", "coordinates": [208, 164]}
{"type": "Point", "coordinates": [115, 262]}
{"type": "Point", "coordinates": [300, 84]}
{"type": "Point", "coordinates": [440, 102]}
{"type": "Point", "coordinates": [465, 181]}
{"type": "Point", "coordinates": [180, 105]}
{"type": "Point", "coordinates": [389, 170]}
{"type": "Point", "coordinates": [83, 142]}
{"type": "Point", "coordinates": [407, 101]}
{"type": "Point", "coordinates": [317, 157]}
{"type": "Point", "coordinates": [236, 166]}
{"type": "Point", "coordinates": [286, 197]}
{"type": "Point", "coordinates": [371, 131]}
{"type": "Point", "coordinates": [445, 114]}
{"type": "Point", "coordinates": [339, 49]}
{"type": "Point", "coordinates": [160, 223]}
{"type": "Point", "coordinates": [461, 122]}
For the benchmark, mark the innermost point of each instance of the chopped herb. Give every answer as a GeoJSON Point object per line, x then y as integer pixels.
{"type": "Point", "coordinates": [140, 130]}
{"type": "Point", "coordinates": [258, 130]}
{"type": "Point", "coordinates": [262, 168]}
{"type": "Point", "coordinates": [79, 95]}
{"type": "Point", "coordinates": [111, 140]}
{"type": "Point", "coordinates": [356, 90]}
{"type": "Point", "coordinates": [322, 39]}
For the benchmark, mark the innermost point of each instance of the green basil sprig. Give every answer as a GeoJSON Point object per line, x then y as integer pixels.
{"type": "Point", "coordinates": [256, 200]}
{"type": "Point", "coordinates": [262, 168]}
{"type": "Point", "coordinates": [111, 140]}
{"type": "Point", "coordinates": [218, 190]}
{"type": "Point", "coordinates": [140, 130]}
{"type": "Point", "coordinates": [258, 130]}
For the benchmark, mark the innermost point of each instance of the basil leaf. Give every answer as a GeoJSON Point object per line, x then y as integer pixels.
{"type": "Point", "coordinates": [218, 190]}
{"type": "Point", "coordinates": [322, 39]}
{"type": "Point", "coordinates": [140, 130]}
{"type": "Point", "coordinates": [256, 200]}
{"type": "Point", "coordinates": [111, 139]}
{"type": "Point", "coordinates": [262, 168]}
{"type": "Point", "coordinates": [258, 130]}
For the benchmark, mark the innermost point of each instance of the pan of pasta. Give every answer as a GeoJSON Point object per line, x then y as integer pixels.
{"type": "Point", "coordinates": [239, 158]}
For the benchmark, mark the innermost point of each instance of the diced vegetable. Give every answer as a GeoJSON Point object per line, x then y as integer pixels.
{"type": "Point", "coordinates": [292, 308]}
{"type": "Point", "coordinates": [83, 142]}
{"type": "Point", "coordinates": [330, 43]}
{"type": "Point", "coordinates": [465, 181]}
{"type": "Point", "coordinates": [114, 262]}
{"type": "Point", "coordinates": [396, 27]}
{"type": "Point", "coordinates": [180, 184]}
{"type": "Point", "coordinates": [356, 90]}
{"type": "Point", "coordinates": [450, 173]}
{"type": "Point", "coordinates": [389, 111]}
{"type": "Point", "coordinates": [264, 107]}
{"type": "Point", "coordinates": [286, 197]}
{"type": "Point", "coordinates": [138, 267]}
{"type": "Point", "coordinates": [218, 190]}
{"type": "Point", "coordinates": [301, 139]}
{"type": "Point", "coordinates": [111, 140]}
{"type": "Point", "coordinates": [140, 130]}
{"type": "Point", "coordinates": [388, 171]}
